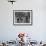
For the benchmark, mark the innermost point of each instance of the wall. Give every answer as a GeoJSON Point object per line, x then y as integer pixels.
{"type": "Point", "coordinates": [38, 30]}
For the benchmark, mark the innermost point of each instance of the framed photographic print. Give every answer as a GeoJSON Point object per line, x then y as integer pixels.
{"type": "Point", "coordinates": [22, 17]}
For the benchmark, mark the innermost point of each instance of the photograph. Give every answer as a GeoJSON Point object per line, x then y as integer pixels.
{"type": "Point", "coordinates": [22, 17]}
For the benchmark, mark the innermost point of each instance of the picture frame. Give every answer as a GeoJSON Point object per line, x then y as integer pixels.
{"type": "Point", "coordinates": [22, 17]}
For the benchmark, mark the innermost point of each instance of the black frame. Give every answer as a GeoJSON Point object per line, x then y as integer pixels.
{"type": "Point", "coordinates": [23, 11]}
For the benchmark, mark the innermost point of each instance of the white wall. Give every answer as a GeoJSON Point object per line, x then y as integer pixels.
{"type": "Point", "coordinates": [38, 30]}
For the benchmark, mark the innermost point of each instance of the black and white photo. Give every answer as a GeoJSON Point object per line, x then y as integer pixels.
{"type": "Point", "coordinates": [22, 17]}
